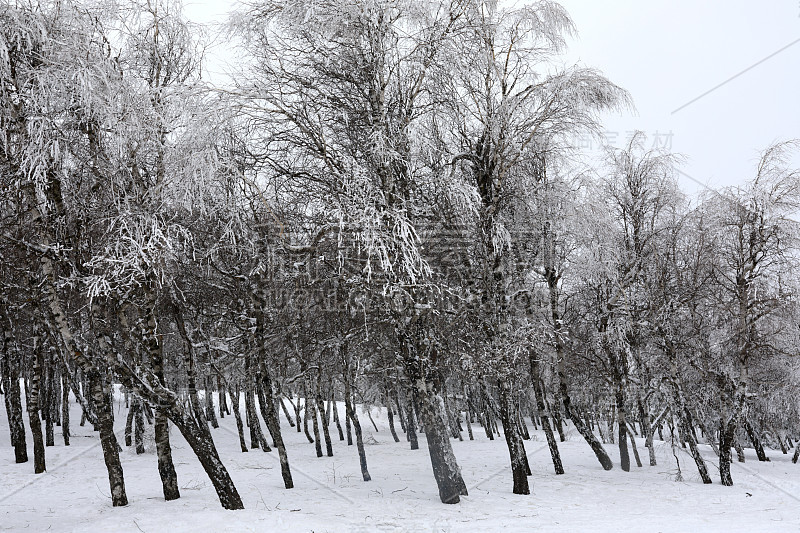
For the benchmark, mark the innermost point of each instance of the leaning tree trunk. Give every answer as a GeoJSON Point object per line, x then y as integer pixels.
{"type": "Point", "coordinates": [258, 305]}
{"type": "Point", "coordinates": [335, 417]}
{"type": "Point", "coordinates": [390, 415]}
{"type": "Point", "coordinates": [353, 417]}
{"type": "Point", "coordinates": [538, 393]}
{"type": "Point", "coordinates": [274, 426]}
{"type": "Point", "coordinates": [234, 394]}
{"type": "Point", "coordinates": [753, 436]}
{"type": "Point", "coordinates": [600, 452]}
{"type": "Point", "coordinates": [698, 459]}
{"type": "Point", "coordinates": [256, 435]}
{"type": "Point", "coordinates": [651, 430]}
{"type": "Point", "coordinates": [198, 436]}
{"type": "Point", "coordinates": [443, 460]}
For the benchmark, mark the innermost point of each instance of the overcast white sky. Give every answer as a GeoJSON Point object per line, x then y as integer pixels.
{"type": "Point", "coordinates": [666, 54]}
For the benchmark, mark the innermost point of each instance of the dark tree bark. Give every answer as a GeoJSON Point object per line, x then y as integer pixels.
{"type": "Point", "coordinates": [698, 459]}
{"type": "Point", "coordinates": [727, 433]}
{"type": "Point", "coordinates": [753, 435]}
{"type": "Point", "coordinates": [311, 406]}
{"type": "Point", "coordinates": [238, 416]}
{"type": "Point", "coordinates": [445, 468]}
{"type": "Point", "coordinates": [273, 423]}
{"type": "Point", "coordinates": [538, 393]}
{"type": "Point", "coordinates": [324, 416]}
{"type": "Point", "coordinates": [223, 401]}
{"type": "Point", "coordinates": [256, 435]}
{"type": "Point", "coordinates": [306, 414]}
{"type": "Point", "coordinates": [353, 417]}
{"type": "Point", "coordinates": [411, 427]}
{"type": "Point", "coordinates": [400, 414]}
{"type": "Point", "coordinates": [297, 415]}
{"type": "Point", "coordinates": [633, 447]}
{"type": "Point", "coordinates": [390, 415]}
{"type": "Point", "coordinates": [129, 423]}
{"type": "Point", "coordinates": [46, 401]}
{"type": "Point", "coordinates": [209, 400]}
{"type": "Point", "coordinates": [198, 436]}
{"type": "Point", "coordinates": [13, 401]}
{"type": "Point", "coordinates": [336, 417]}
{"type": "Point", "coordinates": [65, 408]}
{"type": "Point", "coordinates": [286, 412]}
{"type": "Point", "coordinates": [739, 450]}
{"type": "Point", "coordinates": [516, 449]}
{"type": "Point", "coordinates": [105, 421]}
{"type": "Point", "coordinates": [138, 433]}
{"type": "Point", "coordinates": [32, 398]}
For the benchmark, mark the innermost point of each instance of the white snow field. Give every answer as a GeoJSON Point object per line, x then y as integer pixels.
{"type": "Point", "coordinates": [329, 494]}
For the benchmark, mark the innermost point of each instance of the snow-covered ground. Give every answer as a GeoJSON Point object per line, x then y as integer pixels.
{"type": "Point", "coordinates": [329, 494]}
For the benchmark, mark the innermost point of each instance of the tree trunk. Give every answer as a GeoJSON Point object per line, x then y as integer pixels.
{"type": "Point", "coordinates": [129, 423]}
{"type": "Point", "coordinates": [622, 430]}
{"type": "Point", "coordinates": [445, 467]}
{"type": "Point", "coordinates": [727, 432]}
{"type": "Point", "coordinates": [153, 344]}
{"type": "Point", "coordinates": [514, 442]}
{"type": "Point", "coordinates": [256, 434]}
{"type": "Point", "coordinates": [324, 416]}
{"type": "Point", "coordinates": [265, 413]}
{"type": "Point", "coordinates": [336, 417]}
{"type": "Point", "coordinates": [586, 433]}
{"type": "Point", "coordinates": [635, 450]}
{"type": "Point", "coordinates": [139, 427]}
{"type": "Point", "coordinates": [411, 431]}
{"type": "Point", "coordinates": [199, 438]}
{"type": "Point", "coordinates": [753, 435]}
{"type": "Point", "coordinates": [538, 393]}
{"type": "Point", "coordinates": [65, 407]}
{"type": "Point", "coordinates": [46, 401]}
{"type": "Point", "coordinates": [698, 459]}
{"type": "Point", "coordinates": [39, 465]}
{"type": "Point", "coordinates": [223, 401]}
{"type": "Point", "coordinates": [400, 414]}
{"type": "Point", "coordinates": [306, 414]}
{"type": "Point", "coordinates": [311, 406]}
{"type": "Point", "coordinates": [353, 417]}
{"type": "Point", "coordinates": [210, 415]}
{"type": "Point", "coordinates": [286, 412]}
{"type": "Point", "coordinates": [238, 416]}
{"type": "Point", "coordinates": [13, 401]}
{"type": "Point", "coordinates": [390, 415]}
{"type": "Point", "coordinates": [273, 423]}
{"type": "Point", "coordinates": [103, 405]}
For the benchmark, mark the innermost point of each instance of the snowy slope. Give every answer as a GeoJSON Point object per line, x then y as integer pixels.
{"type": "Point", "coordinates": [402, 496]}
